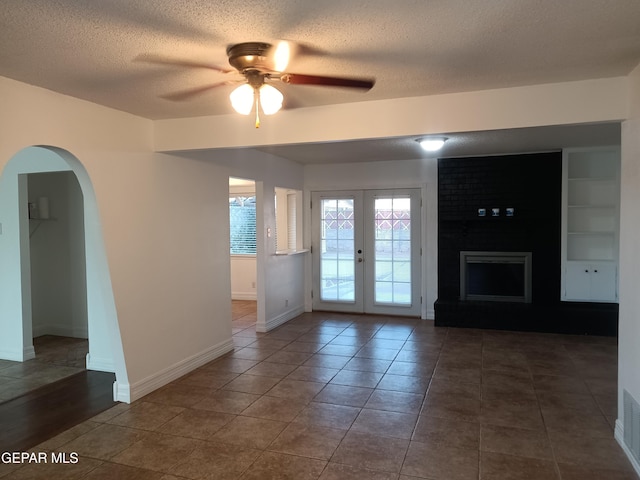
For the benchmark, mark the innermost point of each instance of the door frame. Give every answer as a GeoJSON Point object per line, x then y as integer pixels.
{"type": "Point", "coordinates": [370, 306]}
{"type": "Point", "coordinates": [364, 276]}
{"type": "Point", "coordinates": [357, 306]}
{"type": "Point", "coordinates": [105, 344]}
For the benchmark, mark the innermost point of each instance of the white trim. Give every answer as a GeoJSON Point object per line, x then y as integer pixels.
{"type": "Point", "coordinates": [100, 364]}
{"type": "Point", "coordinates": [61, 331]}
{"type": "Point", "coordinates": [619, 436]}
{"type": "Point", "coordinates": [363, 209]}
{"type": "Point", "coordinates": [121, 392]}
{"type": "Point", "coordinates": [28, 353]}
{"type": "Point", "coordinates": [431, 314]}
{"type": "Point", "coordinates": [12, 355]}
{"type": "Point", "coordinates": [369, 186]}
{"type": "Point", "coordinates": [280, 319]}
{"type": "Point", "coordinates": [244, 296]}
{"type": "Point", "coordinates": [129, 393]}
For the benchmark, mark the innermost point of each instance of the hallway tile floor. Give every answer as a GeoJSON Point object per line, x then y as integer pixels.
{"type": "Point", "coordinates": [345, 397]}
{"type": "Point", "coordinates": [56, 358]}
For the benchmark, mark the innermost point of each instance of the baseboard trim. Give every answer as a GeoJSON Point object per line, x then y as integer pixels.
{"type": "Point", "coordinates": [28, 353]}
{"type": "Point", "coordinates": [100, 364]}
{"type": "Point", "coordinates": [619, 436]}
{"type": "Point", "coordinates": [244, 296]}
{"type": "Point", "coordinates": [121, 392]}
{"type": "Point", "coordinates": [14, 355]}
{"type": "Point", "coordinates": [279, 320]}
{"type": "Point", "coordinates": [128, 393]}
{"type": "Point", "coordinates": [61, 331]}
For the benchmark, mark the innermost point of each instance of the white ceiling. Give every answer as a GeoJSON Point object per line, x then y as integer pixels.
{"type": "Point", "coordinates": [87, 48]}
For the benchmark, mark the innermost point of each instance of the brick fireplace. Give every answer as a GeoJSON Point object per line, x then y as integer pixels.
{"type": "Point", "coordinates": [509, 205]}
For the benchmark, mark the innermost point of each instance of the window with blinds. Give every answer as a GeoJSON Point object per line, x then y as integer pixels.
{"type": "Point", "coordinates": [242, 220]}
{"type": "Point", "coordinates": [292, 227]}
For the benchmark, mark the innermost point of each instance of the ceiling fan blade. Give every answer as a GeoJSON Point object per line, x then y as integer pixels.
{"type": "Point", "coordinates": [299, 79]}
{"type": "Point", "coordinates": [309, 50]}
{"type": "Point", "coordinates": [177, 62]}
{"type": "Point", "coordinates": [192, 92]}
{"type": "Point", "coordinates": [281, 54]}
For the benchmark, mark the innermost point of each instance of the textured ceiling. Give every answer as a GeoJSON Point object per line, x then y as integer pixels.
{"type": "Point", "coordinates": [86, 48]}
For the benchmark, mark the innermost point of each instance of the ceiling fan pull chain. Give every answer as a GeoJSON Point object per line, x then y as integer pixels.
{"type": "Point", "coordinates": [257, 97]}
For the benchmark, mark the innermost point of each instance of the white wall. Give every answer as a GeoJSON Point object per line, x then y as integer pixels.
{"type": "Point", "coordinates": [629, 320]}
{"type": "Point", "coordinates": [243, 277]}
{"type": "Point", "coordinates": [157, 267]}
{"type": "Point", "coordinates": [530, 106]}
{"type": "Point", "coordinates": [421, 173]}
{"type": "Point", "coordinates": [158, 262]}
{"type": "Point", "coordinates": [15, 276]}
{"type": "Point", "coordinates": [169, 260]}
{"type": "Point", "coordinates": [77, 257]}
{"type": "Point", "coordinates": [58, 278]}
{"type": "Point", "coordinates": [279, 278]}
{"type": "Point", "coordinates": [600, 100]}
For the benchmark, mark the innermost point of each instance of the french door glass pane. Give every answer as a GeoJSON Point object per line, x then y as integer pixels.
{"type": "Point", "coordinates": [337, 255]}
{"type": "Point", "coordinates": [392, 239]}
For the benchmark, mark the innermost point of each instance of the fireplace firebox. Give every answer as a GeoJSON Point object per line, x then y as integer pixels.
{"type": "Point", "coordinates": [495, 276]}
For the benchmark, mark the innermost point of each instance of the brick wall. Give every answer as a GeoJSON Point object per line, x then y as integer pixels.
{"type": "Point", "coordinates": [529, 183]}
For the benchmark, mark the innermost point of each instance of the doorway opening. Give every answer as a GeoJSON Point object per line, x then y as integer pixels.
{"type": "Point", "coordinates": [59, 334]}
{"type": "Point", "coordinates": [58, 269]}
{"type": "Point", "coordinates": [31, 301]}
{"type": "Point", "coordinates": [243, 254]}
{"type": "Point", "coordinates": [366, 251]}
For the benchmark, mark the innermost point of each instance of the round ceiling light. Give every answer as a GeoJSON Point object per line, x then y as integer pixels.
{"type": "Point", "coordinates": [431, 144]}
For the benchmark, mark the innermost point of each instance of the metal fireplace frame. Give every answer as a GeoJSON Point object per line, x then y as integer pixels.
{"type": "Point", "coordinates": [521, 258]}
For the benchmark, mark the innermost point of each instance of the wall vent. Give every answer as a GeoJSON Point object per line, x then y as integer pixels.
{"type": "Point", "coordinates": [632, 425]}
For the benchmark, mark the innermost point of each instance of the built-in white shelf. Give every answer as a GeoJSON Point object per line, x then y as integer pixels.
{"type": "Point", "coordinates": [590, 224]}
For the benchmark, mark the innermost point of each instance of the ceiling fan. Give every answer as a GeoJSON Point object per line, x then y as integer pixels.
{"type": "Point", "coordinates": [259, 64]}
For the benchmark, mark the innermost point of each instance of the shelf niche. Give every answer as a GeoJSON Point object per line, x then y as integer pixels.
{"type": "Point", "coordinates": [590, 223]}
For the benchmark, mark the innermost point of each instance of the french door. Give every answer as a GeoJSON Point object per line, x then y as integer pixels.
{"type": "Point", "coordinates": [366, 251]}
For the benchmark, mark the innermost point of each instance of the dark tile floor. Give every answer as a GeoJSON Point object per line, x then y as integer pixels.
{"type": "Point", "coordinates": [346, 397]}
{"type": "Point", "coordinates": [56, 358]}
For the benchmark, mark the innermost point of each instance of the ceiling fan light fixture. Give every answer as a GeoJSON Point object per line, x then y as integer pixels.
{"type": "Point", "coordinates": [258, 62]}
{"type": "Point", "coordinates": [242, 99]}
{"type": "Point", "coordinates": [270, 99]}
{"type": "Point", "coordinates": [431, 144]}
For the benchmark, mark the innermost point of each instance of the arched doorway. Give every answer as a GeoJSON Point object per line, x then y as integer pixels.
{"type": "Point", "coordinates": [16, 313]}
